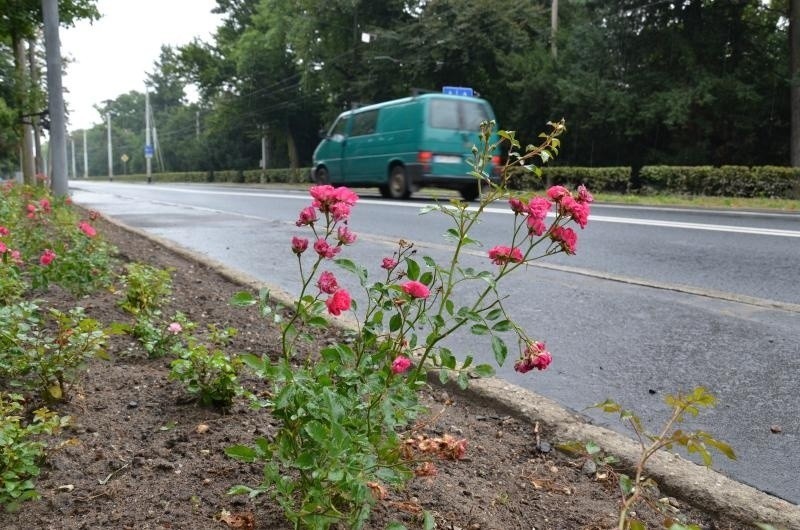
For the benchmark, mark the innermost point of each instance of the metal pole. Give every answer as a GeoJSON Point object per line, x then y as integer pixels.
{"type": "Point", "coordinates": [74, 168]}
{"type": "Point", "coordinates": [85, 157]}
{"type": "Point", "coordinates": [554, 29]}
{"type": "Point", "coordinates": [55, 98]}
{"type": "Point", "coordinates": [147, 145]}
{"type": "Point", "coordinates": [263, 156]}
{"type": "Point", "coordinates": [110, 155]}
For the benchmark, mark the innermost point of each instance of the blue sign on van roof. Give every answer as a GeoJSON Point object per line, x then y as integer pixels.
{"type": "Point", "coordinates": [458, 90]}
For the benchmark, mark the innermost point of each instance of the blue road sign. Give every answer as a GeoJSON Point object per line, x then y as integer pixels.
{"type": "Point", "coordinates": [458, 91]}
{"type": "Point", "coordinates": [148, 151]}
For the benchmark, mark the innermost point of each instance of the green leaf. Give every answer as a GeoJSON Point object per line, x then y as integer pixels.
{"type": "Point", "coordinates": [428, 522]}
{"type": "Point", "coordinates": [426, 278]}
{"type": "Point", "coordinates": [479, 329]}
{"type": "Point", "coordinates": [484, 370]}
{"type": "Point", "coordinates": [429, 261]}
{"type": "Point", "coordinates": [500, 350]}
{"type": "Point", "coordinates": [592, 448]}
{"type": "Point", "coordinates": [494, 314]}
{"type": "Point", "coordinates": [241, 452]}
{"type": "Point", "coordinates": [394, 525]}
{"type": "Point", "coordinates": [412, 269]}
{"type": "Point", "coordinates": [462, 380]}
{"type": "Point", "coordinates": [635, 524]}
{"type": "Point", "coordinates": [626, 484]}
{"type": "Point", "coordinates": [243, 299]}
{"type": "Point", "coordinates": [395, 322]}
{"type": "Point", "coordinates": [503, 325]}
{"type": "Point", "coordinates": [467, 362]}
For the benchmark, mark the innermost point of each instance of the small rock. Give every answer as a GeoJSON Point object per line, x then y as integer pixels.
{"type": "Point", "coordinates": [66, 487]}
{"type": "Point", "coordinates": [776, 429]}
{"type": "Point", "coordinates": [133, 404]}
{"type": "Point", "coordinates": [589, 468]}
{"type": "Point", "coordinates": [543, 447]}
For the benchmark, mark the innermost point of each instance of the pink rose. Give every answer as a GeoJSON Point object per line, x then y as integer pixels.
{"type": "Point", "coordinates": [538, 207]}
{"type": "Point", "coordinates": [4, 231]}
{"type": "Point", "coordinates": [299, 244]}
{"type": "Point", "coordinates": [416, 289]}
{"type": "Point", "coordinates": [400, 364]}
{"type": "Point", "coordinates": [517, 206]}
{"type": "Point", "coordinates": [584, 195]}
{"type": "Point", "coordinates": [345, 195]}
{"type": "Point", "coordinates": [340, 211]}
{"type": "Point", "coordinates": [557, 193]}
{"type": "Point", "coordinates": [3, 248]}
{"type": "Point", "coordinates": [31, 211]}
{"type": "Point", "coordinates": [175, 328]}
{"type": "Point", "coordinates": [325, 250]}
{"type": "Point", "coordinates": [45, 204]}
{"type": "Point", "coordinates": [500, 255]}
{"type": "Point", "coordinates": [47, 257]}
{"type": "Point", "coordinates": [327, 283]}
{"type": "Point", "coordinates": [307, 216]}
{"type": "Point", "coordinates": [535, 356]}
{"type": "Point", "coordinates": [345, 236]}
{"type": "Point", "coordinates": [16, 257]}
{"type": "Point", "coordinates": [87, 229]}
{"type": "Point", "coordinates": [566, 237]}
{"type": "Point", "coordinates": [338, 302]}
{"type": "Point", "coordinates": [388, 264]}
{"type": "Point", "coordinates": [579, 211]}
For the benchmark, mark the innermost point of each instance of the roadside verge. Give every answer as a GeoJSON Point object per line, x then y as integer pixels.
{"type": "Point", "coordinates": [702, 486]}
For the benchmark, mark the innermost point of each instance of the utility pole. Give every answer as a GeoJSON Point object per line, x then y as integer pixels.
{"type": "Point", "coordinates": [554, 29]}
{"type": "Point", "coordinates": [197, 125]}
{"type": "Point", "coordinates": [263, 153]}
{"type": "Point", "coordinates": [55, 98]}
{"type": "Point", "coordinates": [148, 147]}
{"type": "Point", "coordinates": [110, 155]}
{"type": "Point", "coordinates": [27, 159]}
{"type": "Point", "coordinates": [85, 157]}
{"type": "Point", "coordinates": [38, 162]}
{"type": "Point", "coordinates": [74, 168]}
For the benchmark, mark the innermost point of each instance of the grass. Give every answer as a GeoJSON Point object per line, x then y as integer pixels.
{"type": "Point", "coordinates": [699, 201]}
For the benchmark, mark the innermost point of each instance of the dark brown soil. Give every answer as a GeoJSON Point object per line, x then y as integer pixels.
{"type": "Point", "coordinates": [140, 455]}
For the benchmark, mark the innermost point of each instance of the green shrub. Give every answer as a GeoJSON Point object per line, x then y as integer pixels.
{"type": "Point", "coordinates": [20, 452]}
{"type": "Point", "coordinates": [147, 288]}
{"type": "Point", "coordinates": [727, 181]}
{"type": "Point", "coordinates": [597, 179]}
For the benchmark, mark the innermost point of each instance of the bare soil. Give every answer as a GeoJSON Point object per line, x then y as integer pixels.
{"type": "Point", "coordinates": [141, 455]}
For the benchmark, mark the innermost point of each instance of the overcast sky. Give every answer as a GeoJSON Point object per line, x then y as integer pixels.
{"type": "Point", "coordinates": [112, 56]}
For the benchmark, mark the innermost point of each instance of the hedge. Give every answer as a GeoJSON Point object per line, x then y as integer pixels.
{"type": "Point", "coordinates": [729, 181]}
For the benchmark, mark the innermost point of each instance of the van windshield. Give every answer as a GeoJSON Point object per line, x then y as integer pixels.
{"type": "Point", "coordinates": [455, 114]}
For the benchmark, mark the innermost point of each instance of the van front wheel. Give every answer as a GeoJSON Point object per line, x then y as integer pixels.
{"type": "Point", "coordinates": [321, 176]}
{"type": "Point", "coordinates": [398, 183]}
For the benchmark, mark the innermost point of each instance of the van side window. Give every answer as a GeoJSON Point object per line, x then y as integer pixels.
{"type": "Point", "coordinates": [364, 123]}
{"type": "Point", "coordinates": [443, 114]}
{"type": "Point", "coordinates": [339, 128]}
{"type": "Point", "coordinates": [473, 114]}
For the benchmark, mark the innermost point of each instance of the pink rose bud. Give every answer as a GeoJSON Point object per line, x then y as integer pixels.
{"type": "Point", "coordinates": [416, 289]}
{"type": "Point", "coordinates": [401, 364]}
{"type": "Point", "coordinates": [299, 244]}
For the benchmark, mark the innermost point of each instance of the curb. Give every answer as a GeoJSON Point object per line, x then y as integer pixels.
{"type": "Point", "coordinates": [708, 489]}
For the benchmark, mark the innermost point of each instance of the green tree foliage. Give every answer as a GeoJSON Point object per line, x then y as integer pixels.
{"type": "Point", "coordinates": [639, 82]}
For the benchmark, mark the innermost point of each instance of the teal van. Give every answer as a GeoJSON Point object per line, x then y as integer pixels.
{"type": "Point", "coordinates": [405, 144]}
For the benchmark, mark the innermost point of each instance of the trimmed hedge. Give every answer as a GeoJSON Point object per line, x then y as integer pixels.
{"type": "Point", "coordinates": [728, 181]}
{"type": "Point", "coordinates": [598, 179]}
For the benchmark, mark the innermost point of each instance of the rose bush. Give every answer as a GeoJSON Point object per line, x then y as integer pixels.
{"type": "Point", "coordinates": [344, 414]}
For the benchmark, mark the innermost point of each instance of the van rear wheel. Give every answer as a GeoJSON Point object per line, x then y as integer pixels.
{"type": "Point", "coordinates": [398, 183]}
{"type": "Point", "coordinates": [321, 176]}
{"type": "Point", "coordinates": [471, 191]}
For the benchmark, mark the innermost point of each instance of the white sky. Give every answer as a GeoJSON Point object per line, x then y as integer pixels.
{"type": "Point", "coordinates": [113, 55]}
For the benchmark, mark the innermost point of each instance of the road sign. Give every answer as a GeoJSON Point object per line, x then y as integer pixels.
{"type": "Point", "coordinates": [148, 151]}
{"type": "Point", "coordinates": [124, 157]}
{"type": "Point", "coordinates": [458, 91]}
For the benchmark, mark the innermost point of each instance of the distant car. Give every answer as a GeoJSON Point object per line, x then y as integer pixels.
{"type": "Point", "coordinates": [405, 144]}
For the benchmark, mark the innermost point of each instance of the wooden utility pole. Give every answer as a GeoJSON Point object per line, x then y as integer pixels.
{"type": "Point", "coordinates": [794, 97]}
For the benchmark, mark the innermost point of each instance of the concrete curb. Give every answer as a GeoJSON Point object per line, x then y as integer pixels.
{"type": "Point", "coordinates": [708, 489]}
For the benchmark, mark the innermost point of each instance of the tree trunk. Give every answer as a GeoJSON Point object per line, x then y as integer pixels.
{"type": "Point", "coordinates": [291, 148]}
{"type": "Point", "coordinates": [794, 101]}
{"type": "Point", "coordinates": [20, 66]}
{"type": "Point", "coordinates": [37, 129]}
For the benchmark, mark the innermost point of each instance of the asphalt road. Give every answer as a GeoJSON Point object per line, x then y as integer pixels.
{"type": "Point", "coordinates": [656, 300]}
